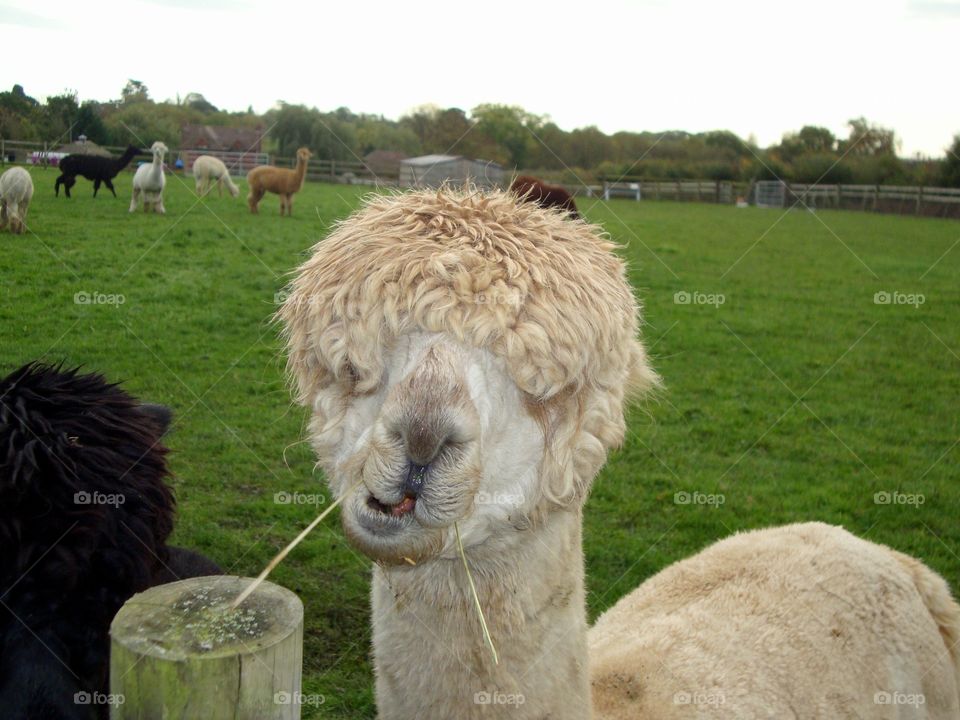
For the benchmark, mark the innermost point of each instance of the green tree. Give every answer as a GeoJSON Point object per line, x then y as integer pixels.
{"type": "Point", "coordinates": [133, 92]}
{"type": "Point", "coordinates": [869, 139]}
{"type": "Point", "coordinates": [509, 126]}
{"type": "Point", "coordinates": [950, 170]}
{"type": "Point", "coordinates": [90, 123]}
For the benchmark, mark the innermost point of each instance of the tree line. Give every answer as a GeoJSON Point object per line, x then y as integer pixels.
{"type": "Point", "coordinates": [505, 134]}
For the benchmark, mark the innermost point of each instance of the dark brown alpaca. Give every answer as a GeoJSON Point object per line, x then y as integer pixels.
{"type": "Point", "coordinates": [531, 189]}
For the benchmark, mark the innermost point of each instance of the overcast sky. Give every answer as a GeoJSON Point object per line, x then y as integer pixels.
{"type": "Point", "coordinates": [760, 67]}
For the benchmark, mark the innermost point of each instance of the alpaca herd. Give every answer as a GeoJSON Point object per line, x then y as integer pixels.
{"type": "Point", "coordinates": [467, 358]}
{"type": "Point", "coordinates": [149, 182]}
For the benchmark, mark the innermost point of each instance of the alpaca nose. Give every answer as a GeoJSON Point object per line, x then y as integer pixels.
{"type": "Point", "coordinates": [416, 475]}
{"type": "Point", "coordinates": [424, 440]}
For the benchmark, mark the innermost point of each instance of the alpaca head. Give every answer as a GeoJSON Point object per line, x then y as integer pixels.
{"type": "Point", "coordinates": [159, 150]}
{"type": "Point", "coordinates": [466, 359]}
{"type": "Point", "coordinates": [80, 456]}
{"type": "Point", "coordinates": [304, 154]}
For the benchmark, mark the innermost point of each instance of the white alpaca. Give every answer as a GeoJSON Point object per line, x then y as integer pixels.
{"type": "Point", "coordinates": [208, 170]}
{"type": "Point", "coordinates": [466, 361]}
{"type": "Point", "coordinates": [149, 181]}
{"type": "Point", "coordinates": [16, 191]}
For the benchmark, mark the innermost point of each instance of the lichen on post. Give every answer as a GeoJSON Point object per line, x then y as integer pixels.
{"type": "Point", "coordinates": [180, 651]}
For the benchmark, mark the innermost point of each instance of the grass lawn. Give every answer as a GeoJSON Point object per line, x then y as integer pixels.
{"type": "Point", "coordinates": [790, 393]}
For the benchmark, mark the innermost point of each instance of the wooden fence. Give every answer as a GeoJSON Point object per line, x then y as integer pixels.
{"type": "Point", "coordinates": [901, 200]}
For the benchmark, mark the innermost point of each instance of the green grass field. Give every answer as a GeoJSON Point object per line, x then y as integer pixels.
{"type": "Point", "coordinates": [798, 397]}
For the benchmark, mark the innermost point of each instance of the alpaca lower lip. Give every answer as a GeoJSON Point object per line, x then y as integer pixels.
{"type": "Point", "coordinates": [405, 506]}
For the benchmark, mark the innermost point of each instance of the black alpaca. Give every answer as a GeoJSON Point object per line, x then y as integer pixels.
{"type": "Point", "coordinates": [93, 167]}
{"type": "Point", "coordinates": [85, 512]}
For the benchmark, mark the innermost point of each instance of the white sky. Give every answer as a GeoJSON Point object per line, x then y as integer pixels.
{"type": "Point", "coordinates": [761, 67]}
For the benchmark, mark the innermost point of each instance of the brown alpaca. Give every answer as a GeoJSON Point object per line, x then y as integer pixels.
{"type": "Point", "coordinates": [281, 181]}
{"type": "Point", "coordinates": [533, 190]}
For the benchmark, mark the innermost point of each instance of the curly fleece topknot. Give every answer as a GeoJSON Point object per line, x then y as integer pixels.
{"type": "Point", "coordinates": [545, 293]}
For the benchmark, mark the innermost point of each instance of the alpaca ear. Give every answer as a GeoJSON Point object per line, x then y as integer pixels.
{"type": "Point", "coordinates": [161, 415]}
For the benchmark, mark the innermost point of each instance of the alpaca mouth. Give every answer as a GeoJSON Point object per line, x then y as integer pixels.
{"type": "Point", "coordinates": [404, 507]}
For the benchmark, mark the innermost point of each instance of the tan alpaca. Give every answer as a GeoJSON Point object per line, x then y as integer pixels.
{"type": "Point", "coordinates": [208, 170]}
{"type": "Point", "coordinates": [283, 182]}
{"type": "Point", "coordinates": [466, 360]}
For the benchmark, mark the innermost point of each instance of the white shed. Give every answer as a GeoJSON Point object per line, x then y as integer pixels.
{"type": "Point", "coordinates": [434, 170]}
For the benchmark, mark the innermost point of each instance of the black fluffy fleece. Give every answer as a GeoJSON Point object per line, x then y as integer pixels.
{"type": "Point", "coordinates": [66, 566]}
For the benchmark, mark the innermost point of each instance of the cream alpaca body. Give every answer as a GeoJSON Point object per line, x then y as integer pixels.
{"type": "Point", "coordinates": [466, 360]}
{"type": "Point", "coordinates": [16, 191]}
{"type": "Point", "coordinates": [149, 181]}
{"type": "Point", "coordinates": [208, 170]}
{"type": "Point", "coordinates": [803, 621]}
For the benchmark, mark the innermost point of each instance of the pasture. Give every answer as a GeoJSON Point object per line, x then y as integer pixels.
{"type": "Point", "coordinates": [795, 389]}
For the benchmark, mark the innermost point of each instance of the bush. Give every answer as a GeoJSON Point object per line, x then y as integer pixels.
{"type": "Point", "coordinates": [821, 167]}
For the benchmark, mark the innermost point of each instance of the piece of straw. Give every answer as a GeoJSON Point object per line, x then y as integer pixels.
{"type": "Point", "coordinates": [476, 598]}
{"type": "Point", "coordinates": [286, 551]}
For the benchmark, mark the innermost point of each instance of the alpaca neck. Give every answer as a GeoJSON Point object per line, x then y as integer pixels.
{"type": "Point", "coordinates": [431, 657]}
{"type": "Point", "coordinates": [301, 171]}
{"type": "Point", "coordinates": [125, 159]}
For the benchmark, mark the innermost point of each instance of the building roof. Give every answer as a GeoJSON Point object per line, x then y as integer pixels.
{"type": "Point", "coordinates": [221, 137]}
{"type": "Point", "coordinates": [83, 148]}
{"type": "Point", "coordinates": [431, 159]}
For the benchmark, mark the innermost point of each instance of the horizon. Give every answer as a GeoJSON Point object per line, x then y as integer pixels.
{"type": "Point", "coordinates": [615, 79]}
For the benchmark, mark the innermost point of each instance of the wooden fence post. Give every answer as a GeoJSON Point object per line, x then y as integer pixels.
{"type": "Point", "coordinates": [179, 652]}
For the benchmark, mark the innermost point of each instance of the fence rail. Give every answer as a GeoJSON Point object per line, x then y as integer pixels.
{"type": "Point", "coordinates": [899, 199]}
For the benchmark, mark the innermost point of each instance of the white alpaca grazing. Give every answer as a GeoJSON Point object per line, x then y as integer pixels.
{"type": "Point", "coordinates": [16, 191]}
{"type": "Point", "coordinates": [466, 360]}
{"type": "Point", "coordinates": [208, 170]}
{"type": "Point", "coordinates": [149, 181]}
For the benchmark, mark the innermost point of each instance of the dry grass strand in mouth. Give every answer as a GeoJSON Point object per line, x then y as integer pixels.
{"type": "Point", "coordinates": [286, 551]}
{"type": "Point", "coordinates": [476, 598]}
